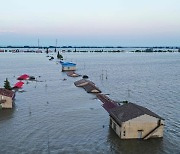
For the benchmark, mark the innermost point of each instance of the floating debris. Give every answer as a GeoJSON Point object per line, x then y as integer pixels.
{"type": "Point", "coordinates": [32, 78]}
{"type": "Point", "coordinates": [51, 58]}
{"type": "Point", "coordinates": [85, 77]}
{"type": "Point", "coordinates": [22, 91]}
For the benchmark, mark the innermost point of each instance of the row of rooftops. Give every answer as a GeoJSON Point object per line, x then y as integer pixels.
{"type": "Point", "coordinates": [120, 113]}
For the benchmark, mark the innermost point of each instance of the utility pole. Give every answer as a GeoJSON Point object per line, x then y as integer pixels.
{"type": "Point", "coordinates": [38, 42]}
{"type": "Point", "coordinates": [55, 45]}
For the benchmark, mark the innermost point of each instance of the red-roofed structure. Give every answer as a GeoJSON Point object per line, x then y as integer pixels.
{"type": "Point", "coordinates": [23, 77]}
{"type": "Point", "coordinates": [18, 84]}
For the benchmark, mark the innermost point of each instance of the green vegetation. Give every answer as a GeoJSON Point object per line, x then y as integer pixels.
{"type": "Point", "coordinates": [7, 84]}
{"type": "Point", "coordinates": [59, 56]}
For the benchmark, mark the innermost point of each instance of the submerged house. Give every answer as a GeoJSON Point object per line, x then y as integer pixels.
{"type": "Point", "coordinates": [88, 86]}
{"type": "Point", "coordinates": [19, 84]}
{"type": "Point", "coordinates": [108, 103]}
{"type": "Point", "coordinates": [91, 88]}
{"type": "Point", "coordinates": [131, 121]}
{"type": "Point", "coordinates": [68, 66]}
{"type": "Point", "coordinates": [23, 77]}
{"type": "Point", "coordinates": [6, 98]}
{"type": "Point", "coordinates": [72, 74]}
{"type": "Point", "coordinates": [82, 82]}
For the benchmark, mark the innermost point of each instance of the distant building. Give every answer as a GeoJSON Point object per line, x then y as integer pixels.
{"type": "Point", "coordinates": [6, 98]}
{"type": "Point", "coordinates": [131, 121]}
{"type": "Point", "coordinates": [68, 66]}
{"type": "Point", "coordinates": [38, 51]}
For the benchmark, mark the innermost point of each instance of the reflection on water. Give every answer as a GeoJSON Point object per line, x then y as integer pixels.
{"type": "Point", "coordinates": [55, 116]}
{"type": "Point", "coordinates": [134, 146]}
{"type": "Point", "coordinates": [6, 114]}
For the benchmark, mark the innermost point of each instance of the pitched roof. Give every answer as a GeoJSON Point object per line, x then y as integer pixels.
{"type": "Point", "coordinates": [82, 82]}
{"type": "Point", "coordinates": [6, 92]}
{"type": "Point", "coordinates": [19, 84]}
{"type": "Point", "coordinates": [69, 64]}
{"type": "Point", "coordinates": [108, 104]}
{"type": "Point", "coordinates": [91, 88]}
{"type": "Point", "coordinates": [72, 74]}
{"type": "Point", "coordinates": [130, 111]}
{"type": "Point", "coordinates": [23, 77]}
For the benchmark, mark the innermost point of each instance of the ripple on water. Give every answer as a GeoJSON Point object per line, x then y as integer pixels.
{"type": "Point", "coordinates": [56, 116]}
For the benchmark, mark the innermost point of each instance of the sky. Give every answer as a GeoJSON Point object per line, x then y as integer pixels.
{"type": "Point", "coordinates": [90, 22]}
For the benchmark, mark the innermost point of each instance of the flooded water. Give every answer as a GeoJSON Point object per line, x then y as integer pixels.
{"type": "Point", "coordinates": [53, 116]}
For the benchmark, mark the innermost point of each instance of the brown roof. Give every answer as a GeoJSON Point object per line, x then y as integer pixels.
{"type": "Point", "coordinates": [6, 92]}
{"type": "Point", "coordinates": [72, 74]}
{"type": "Point", "coordinates": [91, 88]}
{"type": "Point", "coordinates": [130, 111]}
{"type": "Point", "coordinates": [82, 81]}
{"type": "Point", "coordinates": [103, 98]}
{"type": "Point", "coordinates": [108, 103]}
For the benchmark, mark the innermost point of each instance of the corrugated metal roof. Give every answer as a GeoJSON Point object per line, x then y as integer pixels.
{"type": "Point", "coordinates": [72, 74]}
{"type": "Point", "coordinates": [91, 88]}
{"type": "Point", "coordinates": [81, 82]}
{"type": "Point", "coordinates": [23, 77]}
{"type": "Point", "coordinates": [19, 84]}
{"type": "Point", "coordinates": [108, 104]}
{"type": "Point", "coordinates": [6, 92]}
{"type": "Point", "coordinates": [130, 111]}
{"type": "Point", "coordinates": [67, 64]}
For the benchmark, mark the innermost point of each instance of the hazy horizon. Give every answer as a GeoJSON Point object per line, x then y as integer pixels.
{"type": "Point", "coordinates": [90, 23]}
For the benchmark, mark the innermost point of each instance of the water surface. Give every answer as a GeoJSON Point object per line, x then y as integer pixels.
{"type": "Point", "coordinates": [54, 116]}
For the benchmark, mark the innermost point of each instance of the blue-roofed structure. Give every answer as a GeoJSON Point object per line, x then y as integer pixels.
{"type": "Point", "coordinates": [68, 66]}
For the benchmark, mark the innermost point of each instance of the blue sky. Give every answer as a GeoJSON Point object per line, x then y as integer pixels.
{"type": "Point", "coordinates": [90, 22]}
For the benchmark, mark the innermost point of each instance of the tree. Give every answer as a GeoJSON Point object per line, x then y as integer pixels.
{"type": "Point", "coordinates": [7, 84]}
{"type": "Point", "coordinates": [59, 56]}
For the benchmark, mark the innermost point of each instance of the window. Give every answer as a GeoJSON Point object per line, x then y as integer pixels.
{"type": "Point", "coordinates": [124, 133]}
